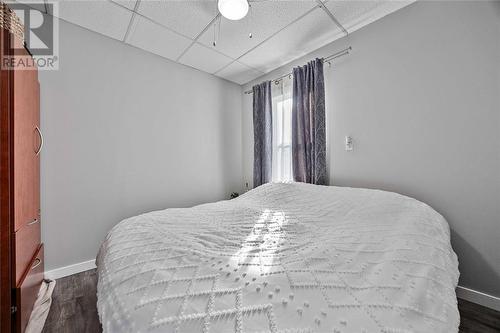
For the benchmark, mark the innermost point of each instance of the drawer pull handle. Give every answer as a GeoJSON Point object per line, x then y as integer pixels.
{"type": "Point", "coordinates": [41, 140]}
{"type": "Point", "coordinates": [37, 263]}
{"type": "Point", "coordinates": [33, 222]}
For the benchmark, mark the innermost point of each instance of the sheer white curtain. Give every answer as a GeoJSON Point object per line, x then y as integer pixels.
{"type": "Point", "coordinates": [282, 131]}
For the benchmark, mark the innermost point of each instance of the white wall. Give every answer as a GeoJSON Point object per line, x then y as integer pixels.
{"type": "Point", "coordinates": [127, 132]}
{"type": "Point", "coordinates": [420, 95]}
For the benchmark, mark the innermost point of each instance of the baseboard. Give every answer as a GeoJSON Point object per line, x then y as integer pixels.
{"type": "Point", "coordinates": [70, 270]}
{"type": "Point", "coordinates": [478, 297]}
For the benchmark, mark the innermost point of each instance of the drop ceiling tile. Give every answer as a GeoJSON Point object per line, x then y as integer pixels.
{"type": "Point", "coordinates": [346, 11]}
{"type": "Point", "coordinates": [283, 28]}
{"type": "Point", "coordinates": [188, 18]}
{"type": "Point", "coordinates": [307, 34]}
{"type": "Point", "coordinates": [130, 4]}
{"type": "Point", "coordinates": [263, 20]}
{"type": "Point", "coordinates": [152, 37]}
{"type": "Point", "coordinates": [356, 14]}
{"type": "Point", "coordinates": [104, 17]}
{"type": "Point", "coordinates": [204, 58]}
{"type": "Point", "coordinates": [239, 73]}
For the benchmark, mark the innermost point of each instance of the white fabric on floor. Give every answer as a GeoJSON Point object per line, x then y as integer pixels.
{"type": "Point", "coordinates": [41, 308]}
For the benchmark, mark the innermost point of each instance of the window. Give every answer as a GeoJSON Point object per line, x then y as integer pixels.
{"type": "Point", "coordinates": [282, 132]}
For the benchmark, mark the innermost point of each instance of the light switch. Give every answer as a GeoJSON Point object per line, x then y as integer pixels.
{"type": "Point", "coordinates": [349, 146]}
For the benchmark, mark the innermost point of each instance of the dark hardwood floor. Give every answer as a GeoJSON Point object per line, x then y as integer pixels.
{"type": "Point", "coordinates": [74, 309]}
{"type": "Point", "coordinates": [477, 318]}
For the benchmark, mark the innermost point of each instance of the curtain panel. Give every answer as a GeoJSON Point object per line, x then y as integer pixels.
{"type": "Point", "coordinates": [309, 124]}
{"type": "Point", "coordinates": [262, 133]}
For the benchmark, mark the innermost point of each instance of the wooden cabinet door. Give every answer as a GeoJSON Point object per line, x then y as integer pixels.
{"type": "Point", "coordinates": [26, 143]}
{"type": "Point", "coordinates": [27, 291]}
{"type": "Point", "coordinates": [38, 147]}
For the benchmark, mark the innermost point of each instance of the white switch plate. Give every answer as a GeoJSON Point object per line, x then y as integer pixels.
{"type": "Point", "coordinates": [349, 145]}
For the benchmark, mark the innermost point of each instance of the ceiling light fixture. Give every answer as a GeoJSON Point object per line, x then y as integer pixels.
{"type": "Point", "coordinates": [233, 9]}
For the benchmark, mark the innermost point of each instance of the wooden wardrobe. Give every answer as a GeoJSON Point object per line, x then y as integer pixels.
{"type": "Point", "coordinates": [21, 141]}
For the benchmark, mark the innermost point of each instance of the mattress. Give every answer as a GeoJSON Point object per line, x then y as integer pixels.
{"type": "Point", "coordinates": [282, 258]}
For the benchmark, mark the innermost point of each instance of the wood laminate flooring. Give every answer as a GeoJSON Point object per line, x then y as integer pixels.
{"type": "Point", "coordinates": [74, 305]}
{"type": "Point", "coordinates": [74, 309]}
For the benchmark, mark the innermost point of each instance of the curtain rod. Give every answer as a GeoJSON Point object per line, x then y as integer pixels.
{"type": "Point", "coordinates": [326, 59]}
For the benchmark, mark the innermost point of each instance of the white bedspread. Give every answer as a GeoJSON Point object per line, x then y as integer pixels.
{"type": "Point", "coordinates": [282, 258]}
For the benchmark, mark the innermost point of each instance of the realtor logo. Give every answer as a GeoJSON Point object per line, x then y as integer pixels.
{"type": "Point", "coordinates": [41, 36]}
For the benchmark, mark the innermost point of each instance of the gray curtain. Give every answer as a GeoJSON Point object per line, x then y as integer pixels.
{"type": "Point", "coordinates": [262, 133]}
{"type": "Point", "coordinates": [308, 124]}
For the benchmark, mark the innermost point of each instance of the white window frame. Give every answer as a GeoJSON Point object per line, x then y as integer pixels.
{"type": "Point", "coordinates": [282, 140]}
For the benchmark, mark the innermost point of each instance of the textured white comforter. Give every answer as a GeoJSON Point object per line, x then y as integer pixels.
{"type": "Point", "coordinates": [282, 258]}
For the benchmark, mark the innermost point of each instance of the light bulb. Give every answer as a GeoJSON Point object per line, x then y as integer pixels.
{"type": "Point", "coordinates": [233, 9]}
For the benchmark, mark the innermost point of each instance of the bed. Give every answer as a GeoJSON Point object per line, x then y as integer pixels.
{"type": "Point", "coordinates": [282, 258]}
